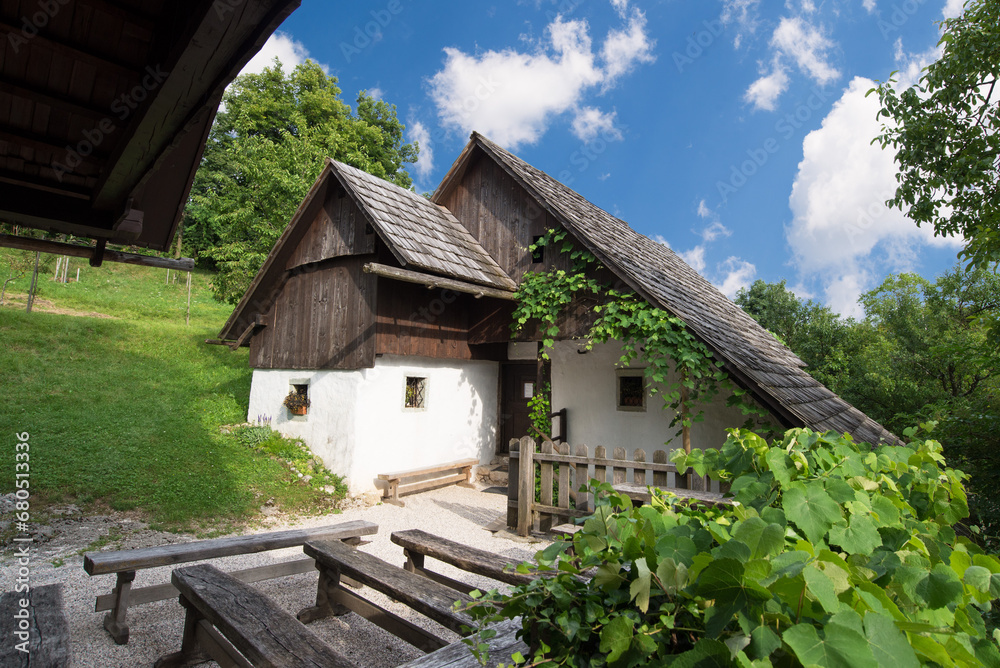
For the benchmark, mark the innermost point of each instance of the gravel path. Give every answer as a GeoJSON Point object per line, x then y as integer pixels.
{"type": "Point", "coordinates": [452, 512]}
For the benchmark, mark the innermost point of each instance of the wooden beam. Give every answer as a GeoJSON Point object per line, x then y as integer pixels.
{"type": "Point", "coordinates": [53, 99]}
{"type": "Point", "coordinates": [75, 51]}
{"type": "Point", "coordinates": [132, 15]}
{"type": "Point", "coordinates": [433, 282]}
{"type": "Point", "coordinates": [48, 185]}
{"type": "Point", "coordinates": [217, 45]}
{"type": "Point", "coordinates": [43, 143]}
{"type": "Point", "coordinates": [46, 246]}
{"type": "Point", "coordinates": [44, 210]}
{"type": "Point", "coordinates": [258, 321]}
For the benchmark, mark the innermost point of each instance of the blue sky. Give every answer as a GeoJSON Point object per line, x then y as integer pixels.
{"type": "Point", "coordinates": [735, 131]}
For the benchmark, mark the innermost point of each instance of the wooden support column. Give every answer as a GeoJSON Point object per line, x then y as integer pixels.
{"type": "Point", "coordinates": [114, 621]}
{"type": "Point", "coordinates": [526, 486]}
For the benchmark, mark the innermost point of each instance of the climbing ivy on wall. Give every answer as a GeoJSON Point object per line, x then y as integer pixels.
{"type": "Point", "coordinates": [677, 365]}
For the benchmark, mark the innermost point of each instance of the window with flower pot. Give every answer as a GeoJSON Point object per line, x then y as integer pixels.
{"type": "Point", "coordinates": [415, 394]}
{"type": "Point", "coordinates": [631, 390]}
{"type": "Point", "coordinates": [297, 401]}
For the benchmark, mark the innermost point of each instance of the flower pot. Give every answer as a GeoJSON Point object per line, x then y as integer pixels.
{"type": "Point", "coordinates": [299, 410]}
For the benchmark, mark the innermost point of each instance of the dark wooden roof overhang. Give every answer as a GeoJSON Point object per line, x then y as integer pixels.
{"type": "Point", "coordinates": [105, 107]}
{"type": "Point", "coordinates": [781, 412]}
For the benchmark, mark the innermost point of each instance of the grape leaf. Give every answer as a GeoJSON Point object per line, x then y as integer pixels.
{"type": "Point", "coordinates": [811, 509]}
{"type": "Point", "coordinates": [889, 645]}
{"type": "Point", "coordinates": [838, 647]}
{"type": "Point", "coordinates": [858, 536]}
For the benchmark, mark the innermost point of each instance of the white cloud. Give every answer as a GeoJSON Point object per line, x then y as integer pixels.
{"type": "Point", "coordinates": [952, 8]}
{"type": "Point", "coordinates": [695, 257]}
{"type": "Point", "coordinates": [660, 239]}
{"type": "Point", "coordinates": [738, 274]}
{"type": "Point", "coordinates": [869, 6]}
{"type": "Point", "coordinates": [840, 225]}
{"type": "Point", "coordinates": [765, 91]}
{"type": "Point", "coordinates": [624, 48]}
{"type": "Point", "coordinates": [512, 96]}
{"type": "Point", "coordinates": [288, 51]}
{"type": "Point", "coordinates": [376, 92]}
{"type": "Point", "coordinates": [425, 161]}
{"type": "Point", "coordinates": [590, 122]}
{"type": "Point", "coordinates": [715, 230]}
{"type": "Point", "coordinates": [620, 6]}
{"type": "Point", "coordinates": [807, 46]}
{"type": "Point", "coordinates": [704, 211]}
{"type": "Point", "coordinates": [744, 14]}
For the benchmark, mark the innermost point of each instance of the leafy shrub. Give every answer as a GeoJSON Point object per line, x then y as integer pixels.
{"type": "Point", "coordinates": [835, 555]}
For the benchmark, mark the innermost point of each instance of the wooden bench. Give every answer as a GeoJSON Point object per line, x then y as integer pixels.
{"type": "Point", "coordinates": [502, 647]}
{"type": "Point", "coordinates": [431, 476]}
{"type": "Point", "coordinates": [125, 563]}
{"type": "Point", "coordinates": [418, 544]}
{"type": "Point", "coordinates": [432, 599]}
{"type": "Point", "coordinates": [36, 635]}
{"type": "Point", "coordinates": [236, 625]}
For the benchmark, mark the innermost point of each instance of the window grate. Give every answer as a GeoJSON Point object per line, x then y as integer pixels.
{"type": "Point", "coordinates": [631, 392]}
{"type": "Point", "coordinates": [416, 392]}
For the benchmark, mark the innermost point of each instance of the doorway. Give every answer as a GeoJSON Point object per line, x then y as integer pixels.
{"type": "Point", "coordinates": [517, 386]}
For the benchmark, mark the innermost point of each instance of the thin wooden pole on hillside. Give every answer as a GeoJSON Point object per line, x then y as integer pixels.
{"type": "Point", "coordinates": [168, 278]}
{"type": "Point", "coordinates": [34, 282]}
{"type": "Point", "coordinates": [78, 274]}
{"type": "Point", "coordinates": [66, 270]}
{"type": "Point", "coordinates": [58, 267]}
{"type": "Point", "coordinates": [189, 299]}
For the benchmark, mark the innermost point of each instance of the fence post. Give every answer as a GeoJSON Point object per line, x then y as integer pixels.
{"type": "Point", "coordinates": [581, 478]}
{"type": "Point", "coordinates": [660, 477]}
{"type": "Point", "coordinates": [639, 474]}
{"type": "Point", "coordinates": [545, 498]}
{"type": "Point", "coordinates": [513, 462]}
{"type": "Point", "coordinates": [618, 472]}
{"type": "Point", "coordinates": [526, 486]}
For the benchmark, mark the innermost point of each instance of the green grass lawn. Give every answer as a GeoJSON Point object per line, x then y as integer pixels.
{"type": "Point", "coordinates": [126, 411]}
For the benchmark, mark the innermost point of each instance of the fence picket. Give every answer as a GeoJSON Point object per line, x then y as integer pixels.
{"type": "Point", "coordinates": [565, 489]}
{"type": "Point", "coordinates": [545, 496]}
{"type": "Point", "coordinates": [659, 477]}
{"type": "Point", "coordinates": [619, 471]}
{"type": "Point", "coordinates": [526, 486]}
{"type": "Point", "coordinates": [639, 473]}
{"type": "Point", "coordinates": [601, 471]}
{"type": "Point", "coordinates": [581, 479]}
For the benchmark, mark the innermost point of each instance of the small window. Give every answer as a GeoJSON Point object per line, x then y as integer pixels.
{"type": "Point", "coordinates": [538, 252]}
{"type": "Point", "coordinates": [416, 392]}
{"type": "Point", "coordinates": [631, 391]}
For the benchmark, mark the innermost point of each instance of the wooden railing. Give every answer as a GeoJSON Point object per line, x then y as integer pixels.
{"type": "Point", "coordinates": [563, 470]}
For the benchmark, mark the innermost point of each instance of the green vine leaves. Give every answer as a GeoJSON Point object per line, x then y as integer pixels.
{"type": "Point", "coordinates": [836, 555]}
{"type": "Point", "coordinates": [677, 365]}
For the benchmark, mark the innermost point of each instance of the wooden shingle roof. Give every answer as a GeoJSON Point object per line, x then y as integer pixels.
{"type": "Point", "coordinates": [419, 232]}
{"type": "Point", "coordinates": [752, 355]}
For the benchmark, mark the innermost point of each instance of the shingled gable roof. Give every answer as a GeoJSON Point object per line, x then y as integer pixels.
{"type": "Point", "coordinates": [417, 231]}
{"type": "Point", "coordinates": [753, 356]}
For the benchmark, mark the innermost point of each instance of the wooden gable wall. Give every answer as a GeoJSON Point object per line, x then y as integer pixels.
{"type": "Point", "coordinates": [502, 216]}
{"type": "Point", "coordinates": [323, 316]}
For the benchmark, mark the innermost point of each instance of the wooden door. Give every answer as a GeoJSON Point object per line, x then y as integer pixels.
{"type": "Point", "coordinates": [517, 386]}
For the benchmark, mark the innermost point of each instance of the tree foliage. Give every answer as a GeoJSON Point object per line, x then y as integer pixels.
{"type": "Point", "coordinates": [836, 555]}
{"type": "Point", "coordinates": [264, 152]}
{"type": "Point", "coordinates": [946, 134]}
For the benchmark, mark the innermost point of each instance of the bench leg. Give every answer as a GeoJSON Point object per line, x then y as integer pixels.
{"type": "Point", "coordinates": [329, 582]}
{"type": "Point", "coordinates": [414, 561]}
{"type": "Point", "coordinates": [114, 621]}
{"type": "Point", "coordinates": [191, 653]}
{"type": "Point", "coordinates": [467, 470]}
{"type": "Point", "coordinates": [392, 494]}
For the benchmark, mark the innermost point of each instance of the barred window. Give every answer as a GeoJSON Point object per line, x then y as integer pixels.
{"type": "Point", "coordinates": [631, 390]}
{"type": "Point", "coordinates": [416, 392]}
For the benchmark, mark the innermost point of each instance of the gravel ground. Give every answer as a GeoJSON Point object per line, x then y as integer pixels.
{"type": "Point", "coordinates": [452, 512]}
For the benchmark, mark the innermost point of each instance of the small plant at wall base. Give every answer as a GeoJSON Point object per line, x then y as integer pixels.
{"type": "Point", "coordinates": [295, 454]}
{"type": "Point", "coordinates": [297, 402]}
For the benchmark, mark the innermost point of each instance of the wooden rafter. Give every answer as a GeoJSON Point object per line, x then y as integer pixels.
{"type": "Point", "coordinates": [132, 15]}
{"type": "Point", "coordinates": [43, 143]}
{"type": "Point", "coordinates": [52, 98]}
{"type": "Point", "coordinates": [89, 252]}
{"type": "Point", "coordinates": [75, 51]}
{"type": "Point", "coordinates": [432, 282]}
{"type": "Point", "coordinates": [47, 185]}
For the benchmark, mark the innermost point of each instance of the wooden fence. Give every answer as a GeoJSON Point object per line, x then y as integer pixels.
{"type": "Point", "coordinates": [564, 469]}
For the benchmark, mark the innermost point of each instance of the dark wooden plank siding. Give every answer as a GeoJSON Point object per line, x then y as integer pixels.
{"type": "Point", "coordinates": [501, 215]}
{"type": "Point", "coordinates": [323, 318]}
{"type": "Point", "coordinates": [338, 229]}
{"type": "Point", "coordinates": [413, 320]}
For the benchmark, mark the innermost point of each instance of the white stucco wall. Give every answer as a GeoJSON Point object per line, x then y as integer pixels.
{"type": "Point", "coordinates": [357, 423]}
{"type": "Point", "coordinates": [587, 386]}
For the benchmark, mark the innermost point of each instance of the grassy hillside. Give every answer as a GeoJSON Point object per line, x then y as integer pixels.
{"type": "Point", "coordinates": [125, 411]}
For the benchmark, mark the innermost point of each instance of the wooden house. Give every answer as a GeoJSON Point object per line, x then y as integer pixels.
{"type": "Point", "coordinates": [392, 312]}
